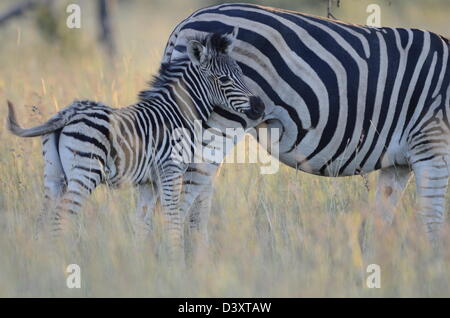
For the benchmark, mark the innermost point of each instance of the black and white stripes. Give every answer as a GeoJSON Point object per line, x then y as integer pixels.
{"type": "Point", "coordinates": [89, 143]}
{"type": "Point", "coordinates": [349, 99]}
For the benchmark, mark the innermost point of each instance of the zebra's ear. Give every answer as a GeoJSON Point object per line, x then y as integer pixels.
{"type": "Point", "coordinates": [231, 37]}
{"type": "Point", "coordinates": [196, 51]}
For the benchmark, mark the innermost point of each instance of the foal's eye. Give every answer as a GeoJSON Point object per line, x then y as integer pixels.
{"type": "Point", "coordinates": [224, 79]}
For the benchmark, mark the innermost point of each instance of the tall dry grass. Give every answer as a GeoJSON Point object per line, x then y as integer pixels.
{"type": "Point", "coordinates": [287, 234]}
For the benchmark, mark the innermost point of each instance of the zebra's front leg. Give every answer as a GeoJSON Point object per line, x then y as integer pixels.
{"type": "Point", "coordinates": [54, 182]}
{"type": "Point", "coordinates": [198, 216]}
{"type": "Point", "coordinates": [431, 187]}
{"type": "Point", "coordinates": [171, 184]}
{"type": "Point", "coordinates": [195, 204]}
{"type": "Point", "coordinates": [392, 182]}
{"type": "Point", "coordinates": [146, 203]}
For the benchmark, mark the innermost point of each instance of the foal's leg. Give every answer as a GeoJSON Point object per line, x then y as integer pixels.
{"type": "Point", "coordinates": [195, 204]}
{"type": "Point", "coordinates": [84, 173]}
{"type": "Point", "coordinates": [146, 203]}
{"type": "Point", "coordinates": [198, 217]}
{"type": "Point", "coordinates": [171, 184]}
{"type": "Point", "coordinates": [54, 180]}
{"type": "Point", "coordinates": [65, 218]}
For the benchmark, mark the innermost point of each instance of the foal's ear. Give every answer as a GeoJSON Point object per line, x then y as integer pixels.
{"type": "Point", "coordinates": [196, 52]}
{"type": "Point", "coordinates": [231, 37]}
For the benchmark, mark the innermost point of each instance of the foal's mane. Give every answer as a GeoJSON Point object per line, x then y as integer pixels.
{"type": "Point", "coordinates": [217, 44]}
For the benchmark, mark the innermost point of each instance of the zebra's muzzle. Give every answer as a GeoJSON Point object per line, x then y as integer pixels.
{"type": "Point", "coordinates": [257, 108]}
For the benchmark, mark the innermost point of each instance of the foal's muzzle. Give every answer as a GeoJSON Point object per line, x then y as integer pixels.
{"type": "Point", "coordinates": [257, 108]}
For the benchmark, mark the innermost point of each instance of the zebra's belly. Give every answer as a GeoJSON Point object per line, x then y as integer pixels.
{"type": "Point", "coordinates": [118, 175]}
{"type": "Point", "coordinates": [348, 164]}
{"type": "Point", "coordinates": [294, 160]}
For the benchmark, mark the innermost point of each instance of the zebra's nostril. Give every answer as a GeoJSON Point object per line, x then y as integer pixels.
{"type": "Point", "coordinates": [257, 108]}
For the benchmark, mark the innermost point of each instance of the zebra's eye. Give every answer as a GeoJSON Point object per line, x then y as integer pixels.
{"type": "Point", "coordinates": [224, 79]}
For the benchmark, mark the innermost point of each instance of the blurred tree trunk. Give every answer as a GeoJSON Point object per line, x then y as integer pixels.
{"type": "Point", "coordinates": [18, 9]}
{"type": "Point", "coordinates": [106, 33]}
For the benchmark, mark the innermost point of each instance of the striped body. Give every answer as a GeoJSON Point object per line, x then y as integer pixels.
{"type": "Point", "coordinates": [120, 145]}
{"type": "Point", "coordinates": [348, 99]}
{"type": "Point", "coordinates": [89, 143]}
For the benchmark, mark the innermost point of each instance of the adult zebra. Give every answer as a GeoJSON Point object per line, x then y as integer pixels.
{"type": "Point", "coordinates": [348, 99]}
{"type": "Point", "coordinates": [89, 143]}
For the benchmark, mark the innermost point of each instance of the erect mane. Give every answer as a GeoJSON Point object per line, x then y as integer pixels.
{"type": "Point", "coordinates": [216, 43]}
{"type": "Point", "coordinates": [166, 74]}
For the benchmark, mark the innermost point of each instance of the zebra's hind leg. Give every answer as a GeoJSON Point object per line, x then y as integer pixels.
{"type": "Point", "coordinates": [146, 203]}
{"type": "Point", "coordinates": [431, 187]}
{"type": "Point", "coordinates": [392, 181]}
{"type": "Point", "coordinates": [65, 219]}
{"type": "Point", "coordinates": [54, 180]}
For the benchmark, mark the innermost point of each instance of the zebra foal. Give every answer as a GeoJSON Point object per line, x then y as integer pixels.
{"type": "Point", "coordinates": [89, 143]}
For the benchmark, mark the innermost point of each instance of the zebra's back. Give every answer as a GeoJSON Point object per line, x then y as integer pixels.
{"type": "Point", "coordinates": [119, 145]}
{"type": "Point", "coordinates": [349, 97]}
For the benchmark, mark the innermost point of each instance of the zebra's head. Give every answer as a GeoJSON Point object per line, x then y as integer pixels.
{"type": "Point", "coordinates": [222, 76]}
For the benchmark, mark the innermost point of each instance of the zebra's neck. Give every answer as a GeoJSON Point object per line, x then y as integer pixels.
{"type": "Point", "coordinates": [180, 87]}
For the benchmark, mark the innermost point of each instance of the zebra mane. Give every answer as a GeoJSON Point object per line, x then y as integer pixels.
{"type": "Point", "coordinates": [166, 75]}
{"type": "Point", "coordinates": [217, 44]}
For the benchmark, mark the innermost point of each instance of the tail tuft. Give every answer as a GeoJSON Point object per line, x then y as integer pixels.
{"type": "Point", "coordinates": [56, 122]}
{"type": "Point", "coordinates": [11, 121]}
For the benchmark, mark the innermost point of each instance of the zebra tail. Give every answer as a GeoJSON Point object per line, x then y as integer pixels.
{"type": "Point", "coordinates": [55, 123]}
